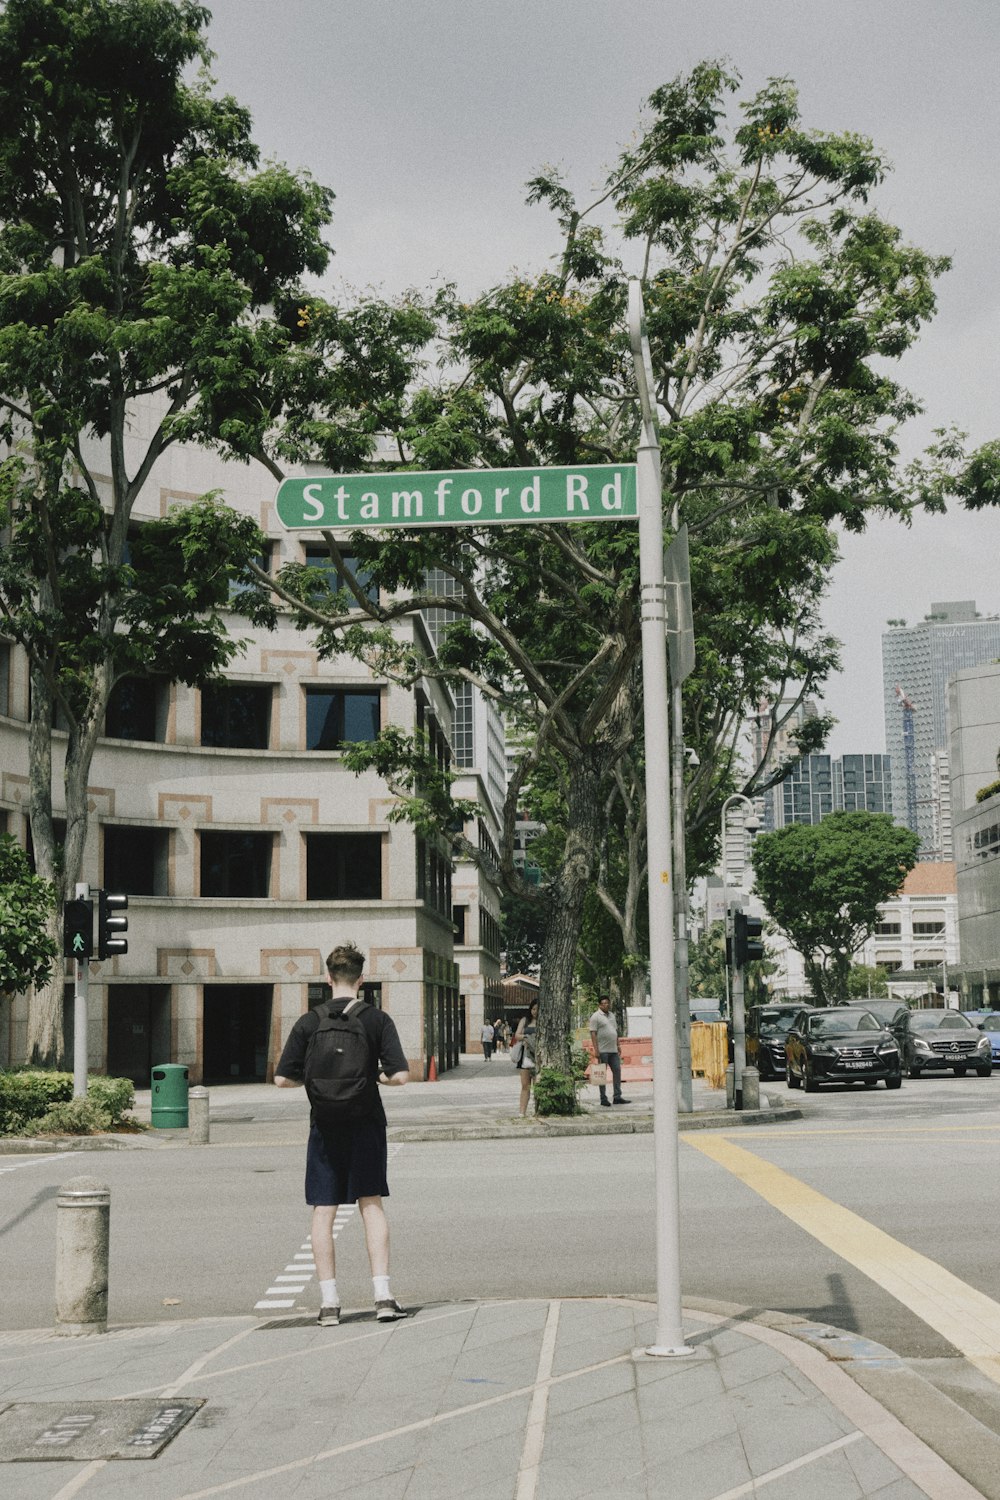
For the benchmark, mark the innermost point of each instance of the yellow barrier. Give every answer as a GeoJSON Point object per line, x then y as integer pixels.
{"type": "Point", "coordinates": [710, 1052]}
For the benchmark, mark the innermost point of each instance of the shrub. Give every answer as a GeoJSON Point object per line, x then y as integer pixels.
{"type": "Point", "coordinates": [29, 1098]}
{"type": "Point", "coordinates": [71, 1117]}
{"type": "Point", "coordinates": [555, 1092]}
{"type": "Point", "coordinates": [115, 1095]}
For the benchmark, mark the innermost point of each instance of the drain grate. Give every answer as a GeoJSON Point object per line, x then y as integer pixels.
{"type": "Point", "coordinates": [41, 1431]}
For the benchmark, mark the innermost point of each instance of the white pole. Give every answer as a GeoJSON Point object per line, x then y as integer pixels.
{"type": "Point", "coordinates": [656, 723]}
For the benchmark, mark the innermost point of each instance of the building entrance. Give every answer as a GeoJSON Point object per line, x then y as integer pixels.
{"type": "Point", "coordinates": [138, 1030]}
{"type": "Point", "coordinates": [236, 1031]}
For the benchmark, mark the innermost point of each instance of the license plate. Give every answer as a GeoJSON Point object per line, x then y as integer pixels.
{"type": "Point", "coordinates": [864, 1063]}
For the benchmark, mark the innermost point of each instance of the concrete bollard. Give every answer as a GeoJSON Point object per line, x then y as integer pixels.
{"type": "Point", "coordinates": [198, 1117]}
{"type": "Point", "coordinates": [83, 1222]}
{"type": "Point", "coordinates": [751, 1088]}
{"type": "Point", "coordinates": [731, 1087]}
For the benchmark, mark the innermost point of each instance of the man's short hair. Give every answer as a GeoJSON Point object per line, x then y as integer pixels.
{"type": "Point", "coordinates": [345, 964]}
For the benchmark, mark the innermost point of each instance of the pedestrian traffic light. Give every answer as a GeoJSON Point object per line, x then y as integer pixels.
{"type": "Point", "coordinates": [747, 943]}
{"type": "Point", "coordinates": [78, 929]}
{"type": "Point", "coordinates": [110, 926]}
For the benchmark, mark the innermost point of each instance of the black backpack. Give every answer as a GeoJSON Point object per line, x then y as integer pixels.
{"type": "Point", "coordinates": [338, 1068]}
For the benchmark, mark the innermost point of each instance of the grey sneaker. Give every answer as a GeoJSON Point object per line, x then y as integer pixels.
{"type": "Point", "coordinates": [329, 1317]}
{"type": "Point", "coordinates": [389, 1311]}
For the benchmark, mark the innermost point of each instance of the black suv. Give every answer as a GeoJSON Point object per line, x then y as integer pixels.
{"type": "Point", "coordinates": [767, 1028]}
{"type": "Point", "coordinates": [845, 1044]}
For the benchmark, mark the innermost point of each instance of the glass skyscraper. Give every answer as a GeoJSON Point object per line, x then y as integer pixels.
{"type": "Point", "coordinates": [917, 663]}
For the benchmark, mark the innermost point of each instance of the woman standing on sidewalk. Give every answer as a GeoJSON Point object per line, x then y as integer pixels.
{"type": "Point", "coordinates": [525, 1033]}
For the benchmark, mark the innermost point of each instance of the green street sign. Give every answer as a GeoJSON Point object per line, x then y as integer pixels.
{"type": "Point", "coordinates": [464, 497]}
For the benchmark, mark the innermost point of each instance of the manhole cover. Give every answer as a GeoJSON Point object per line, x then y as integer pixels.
{"type": "Point", "coordinates": [47, 1430]}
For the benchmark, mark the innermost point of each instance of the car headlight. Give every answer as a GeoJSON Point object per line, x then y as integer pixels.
{"type": "Point", "coordinates": [823, 1049]}
{"type": "Point", "coordinates": [983, 1045]}
{"type": "Point", "coordinates": [919, 1046]}
{"type": "Point", "coordinates": [889, 1049]}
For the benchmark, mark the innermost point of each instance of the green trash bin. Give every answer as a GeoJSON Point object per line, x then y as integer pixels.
{"type": "Point", "coordinates": [170, 1097]}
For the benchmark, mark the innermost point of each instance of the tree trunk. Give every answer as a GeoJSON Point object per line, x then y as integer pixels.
{"type": "Point", "coordinates": [45, 1042]}
{"type": "Point", "coordinates": [63, 866]}
{"type": "Point", "coordinates": [566, 903]}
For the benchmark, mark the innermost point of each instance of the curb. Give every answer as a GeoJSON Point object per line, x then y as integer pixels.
{"type": "Point", "coordinates": [948, 1429]}
{"type": "Point", "coordinates": [506, 1130]}
{"type": "Point", "coordinates": [492, 1130]}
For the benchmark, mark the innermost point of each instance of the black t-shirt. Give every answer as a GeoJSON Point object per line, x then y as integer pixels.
{"type": "Point", "coordinates": [386, 1049]}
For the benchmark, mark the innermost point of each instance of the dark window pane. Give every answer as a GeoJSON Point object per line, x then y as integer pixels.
{"type": "Point", "coordinates": [319, 558]}
{"type": "Point", "coordinates": [337, 716]}
{"type": "Point", "coordinates": [132, 709]}
{"type": "Point", "coordinates": [343, 867]}
{"type": "Point", "coordinates": [136, 860]}
{"type": "Point", "coordinates": [235, 864]}
{"type": "Point", "coordinates": [236, 716]}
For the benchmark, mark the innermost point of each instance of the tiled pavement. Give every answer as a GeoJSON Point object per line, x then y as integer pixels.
{"type": "Point", "coordinates": [527, 1400]}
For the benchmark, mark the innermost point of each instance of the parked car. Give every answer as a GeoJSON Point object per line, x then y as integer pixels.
{"type": "Point", "coordinates": [767, 1028]}
{"type": "Point", "coordinates": [989, 1022]}
{"type": "Point", "coordinates": [886, 1011]}
{"type": "Point", "coordinates": [710, 1017]}
{"type": "Point", "coordinates": [939, 1039]}
{"type": "Point", "coordinates": [844, 1044]}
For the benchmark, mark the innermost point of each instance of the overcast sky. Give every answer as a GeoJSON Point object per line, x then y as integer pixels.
{"type": "Point", "coordinates": [426, 117]}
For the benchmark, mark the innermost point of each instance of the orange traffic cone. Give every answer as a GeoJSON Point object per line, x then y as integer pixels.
{"type": "Point", "coordinates": [432, 1070]}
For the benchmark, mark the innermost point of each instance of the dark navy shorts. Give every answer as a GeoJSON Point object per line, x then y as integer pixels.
{"type": "Point", "coordinates": [346, 1163]}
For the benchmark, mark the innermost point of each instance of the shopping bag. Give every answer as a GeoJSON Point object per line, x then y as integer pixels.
{"type": "Point", "coordinates": [599, 1074]}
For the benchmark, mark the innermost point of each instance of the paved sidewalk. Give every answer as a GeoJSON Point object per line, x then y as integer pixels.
{"type": "Point", "coordinates": [526, 1400]}
{"type": "Point", "coordinates": [478, 1100]}
{"type": "Point", "coordinates": [475, 1101]}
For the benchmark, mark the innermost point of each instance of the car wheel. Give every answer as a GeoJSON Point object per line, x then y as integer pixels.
{"type": "Point", "coordinates": [792, 1079]}
{"type": "Point", "coordinates": [985, 1071]}
{"type": "Point", "coordinates": [913, 1070]}
{"type": "Point", "coordinates": [894, 1083]}
{"type": "Point", "coordinates": [809, 1082]}
{"type": "Point", "coordinates": [959, 1072]}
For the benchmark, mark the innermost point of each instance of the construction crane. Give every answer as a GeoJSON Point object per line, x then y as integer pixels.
{"type": "Point", "coordinates": [909, 759]}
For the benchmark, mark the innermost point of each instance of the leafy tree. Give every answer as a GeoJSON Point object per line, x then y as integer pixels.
{"type": "Point", "coordinates": [707, 964]}
{"type": "Point", "coordinates": [151, 291]}
{"type": "Point", "coordinates": [27, 903]}
{"type": "Point", "coordinates": [776, 298]}
{"type": "Point", "coordinates": [866, 982]}
{"type": "Point", "coordinates": [823, 884]}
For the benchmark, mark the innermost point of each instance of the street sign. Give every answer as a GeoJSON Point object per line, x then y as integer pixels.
{"type": "Point", "coordinates": [463, 497]}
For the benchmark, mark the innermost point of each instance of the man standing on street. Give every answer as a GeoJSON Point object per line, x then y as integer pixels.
{"type": "Point", "coordinates": [486, 1037]}
{"type": "Point", "coordinates": [346, 1162]}
{"type": "Point", "coordinates": [604, 1038]}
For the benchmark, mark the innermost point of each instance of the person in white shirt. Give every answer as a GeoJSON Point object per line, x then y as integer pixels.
{"type": "Point", "coordinates": [486, 1037]}
{"type": "Point", "coordinates": [604, 1037]}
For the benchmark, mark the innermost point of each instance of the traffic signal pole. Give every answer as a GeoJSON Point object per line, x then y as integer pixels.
{"type": "Point", "coordinates": [739, 1036]}
{"type": "Point", "coordinates": [81, 968]}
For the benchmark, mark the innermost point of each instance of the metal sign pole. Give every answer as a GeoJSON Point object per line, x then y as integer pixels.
{"type": "Point", "coordinates": [81, 972]}
{"type": "Point", "coordinates": [669, 1321]}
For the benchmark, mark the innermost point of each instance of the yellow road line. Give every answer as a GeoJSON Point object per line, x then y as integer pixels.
{"type": "Point", "coordinates": [965, 1317]}
{"type": "Point", "coordinates": [784, 1132]}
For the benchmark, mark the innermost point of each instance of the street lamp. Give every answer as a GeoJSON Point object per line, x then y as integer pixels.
{"type": "Point", "coordinates": [734, 998]}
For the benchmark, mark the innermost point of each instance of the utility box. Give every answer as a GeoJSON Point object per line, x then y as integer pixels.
{"type": "Point", "coordinates": [169, 1097]}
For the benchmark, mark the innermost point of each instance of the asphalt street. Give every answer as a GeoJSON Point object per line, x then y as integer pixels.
{"type": "Point", "coordinates": [209, 1231]}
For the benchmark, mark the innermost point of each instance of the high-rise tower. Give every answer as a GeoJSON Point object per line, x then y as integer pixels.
{"type": "Point", "coordinates": [921, 659]}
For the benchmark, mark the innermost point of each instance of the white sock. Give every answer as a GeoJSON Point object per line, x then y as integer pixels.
{"type": "Point", "coordinates": [328, 1293]}
{"type": "Point", "coordinates": [381, 1285]}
